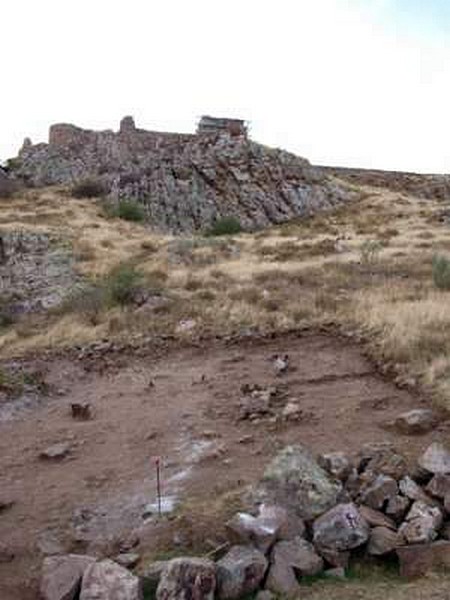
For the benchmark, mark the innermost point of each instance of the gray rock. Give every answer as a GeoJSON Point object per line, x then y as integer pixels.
{"type": "Point", "coordinates": [288, 559]}
{"type": "Point", "coordinates": [61, 576]}
{"type": "Point", "coordinates": [417, 560]}
{"type": "Point", "coordinates": [186, 579]}
{"type": "Point", "coordinates": [417, 421]}
{"type": "Point", "coordinates": [127, 559]}
{"type": "Point", "coordinates": [341, 528]}
{"type": "Point", "coordinates": [240, 572]}
{"type": "Point", "coordinates": [107, 580]}
{"type": "Point", "coordinates": [55, 452]}
{"type": "Point", "coordinates": [296, 481]}
{"type": "Point", "coordinates": [421, 524]}
{"type": "Point", "coordinates": [397, 508]}
{"type": "Point", "coordinates": [436, 459]}
{"type": "Point", "coordinates": [337, 464]}
{"type": "Point", "coordinates": [383, 541]}
{"type": "Point", "coordinates": [379, 492]}
{"type": "Point", "coordinates": [439, 486]}
{"type": "Point", "coordinates": [382, 458]}
{"type": "Point", "coordinates": [413, 491]}
{"type": "Point", "coordinates": [375, 518]}
{"type": "Point", "coordinates": [272, 523]}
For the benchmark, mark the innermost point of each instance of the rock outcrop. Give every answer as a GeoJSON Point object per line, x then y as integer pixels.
{"type": "Point", "coordinates": [185, 182]}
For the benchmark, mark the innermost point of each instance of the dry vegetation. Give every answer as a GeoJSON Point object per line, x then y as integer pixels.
{"type": "Point", "coordinates": [365, 269]}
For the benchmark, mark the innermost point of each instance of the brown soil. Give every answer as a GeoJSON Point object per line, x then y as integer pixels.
{"type": "Point", "coordinates": [188, 417]}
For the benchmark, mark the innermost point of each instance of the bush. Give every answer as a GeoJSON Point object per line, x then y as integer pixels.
{"type": "Point", "coordinates": [123, 284]}
{"type": "Point", "coordinates": [225, 226]}
{"type": "Point", "coordinates": [89, 301]}
{"type": "Point", "coordinates": [88, 188]}
{"type": "Point", "coordinates": [441, 272]}
{"type": "Point", "coordinates": [129, 210]}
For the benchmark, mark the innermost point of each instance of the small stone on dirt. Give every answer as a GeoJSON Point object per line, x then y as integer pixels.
{"type": "Point", "coordinates": [55, 452]}
{"type": "Point", "coordinates": [81, 411]}
{"type": "Point", "coordinates": [240, 572]}
{"type": "Point", "coordinates": [416, 422]}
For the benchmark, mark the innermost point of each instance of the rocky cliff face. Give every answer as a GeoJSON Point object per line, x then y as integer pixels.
{"type": "Point", "coordinates": [185, 182]}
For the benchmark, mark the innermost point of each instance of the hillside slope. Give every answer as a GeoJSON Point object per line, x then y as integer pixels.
{"type": "Point", "coordinates": [185, 182]}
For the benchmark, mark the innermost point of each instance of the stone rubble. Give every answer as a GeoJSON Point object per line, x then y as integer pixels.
{"type": "Point", "coordinates": [304, 525]}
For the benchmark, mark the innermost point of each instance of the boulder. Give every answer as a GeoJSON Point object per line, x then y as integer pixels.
{"type": "Point", "coordinates": [341, 528]}
{"type": "Point", "coordinates": [337, 464]}
{"type": "Point", "coordinates": [435, 459]}
{"type": "Point", "coordinates": [378, 493]}
{"type": "Point", "coordinates": [187, 578]}
{"type": "Point", "coordinates": [240, 572]}
{"type": "Point", "coordinates": [106, 580]}
{"type": "Point", "coordinates": [289, 558]}
{"type": "Point", "coordinates": [421, 524]}
{"type": "Point", "coordinates": [416, 561]}
{"type": "Point", "coordinates": [383, 541]}
{"type": "Point", "coordinates": [376, 518]}
{"type": "Point", "coordinates": [295, 480]}
{"type": "Point", "coordinates": [417, 421]}
{"type": "Point", "coordinates": [61, 576]}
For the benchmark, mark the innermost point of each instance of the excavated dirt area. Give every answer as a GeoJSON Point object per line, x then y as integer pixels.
{"type": "Point", "coordinates": [180, 404]}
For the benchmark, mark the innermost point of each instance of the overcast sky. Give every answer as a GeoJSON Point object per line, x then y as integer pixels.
{"type": "Point", "coordinates": [341, 82]}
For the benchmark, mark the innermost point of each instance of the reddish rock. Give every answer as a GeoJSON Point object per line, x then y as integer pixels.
{"type": "Point", "coordinates": [375, 518]}
{"type": "Point", "coordinates": [417, 560]}
{"type": "Point", "coordinates": [383, 541]}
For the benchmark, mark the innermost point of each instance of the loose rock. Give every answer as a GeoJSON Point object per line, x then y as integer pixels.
{"type": "Point", "coordinates": [383, 541]}
{"type": "Point", "coordinates": [296, 481]}
{"type": "Point", "coordinates": [55, 452]}
{"type": "Point", "coordinates": [289, 558]}
{"type": "Point", "coordinates": [61, 576]}
{"type": "Point", "coordinates": [107, 580]}
{"type": "Point", "coordinates": [240, 572]}
{"type": "Point", "coordinates": [416, 561]}
{"type": "Point", "coordinates": [186, 579]}
{"type": "Point", "coordinates": [415, 422]}
{"type": "Point", "coordinates": [337, 464]}
{"type": "Point", "coordinates": [422, 523]}
{"type": "Point", "coordinates": [341, 528]}
{"type": "Point", "coordinates": [379, 492]}
{"type": "Point", "coordinates": [436, 459]}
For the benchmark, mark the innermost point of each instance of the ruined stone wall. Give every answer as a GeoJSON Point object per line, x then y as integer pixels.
{"type": "Point", "coordinates": [185, 182]}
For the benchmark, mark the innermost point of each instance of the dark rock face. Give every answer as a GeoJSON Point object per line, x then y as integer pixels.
{"type": "Point", "coordinates": [7, 185]}
{"type": "Point", "coordinates": [185, 182]}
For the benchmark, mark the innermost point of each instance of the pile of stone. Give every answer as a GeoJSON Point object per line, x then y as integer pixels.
{"type": "Point", "coordinates": [311, 516]}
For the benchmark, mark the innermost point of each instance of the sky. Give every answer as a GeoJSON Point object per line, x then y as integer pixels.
{"type": "Point", "coordinates": [341, 82]}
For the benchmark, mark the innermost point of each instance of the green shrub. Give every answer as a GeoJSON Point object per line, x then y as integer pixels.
{"type": "Point", "coordinates": [225, 226]}
{"type": "Point", "coordinates": [88, 188]}
{"type": "Point", "coordinates": [123, 284]}
{"type": "Point", "coordinates": [129, 210]}
{"type": "Point", "coordinates": [441, 272]}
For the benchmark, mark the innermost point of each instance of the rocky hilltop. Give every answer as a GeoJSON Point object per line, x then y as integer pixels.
{"type": "Point", "coordinates": [185, 181]}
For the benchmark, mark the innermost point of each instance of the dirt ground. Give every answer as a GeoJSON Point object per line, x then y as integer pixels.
{"type": "Point", "coordinates": [180, 404]}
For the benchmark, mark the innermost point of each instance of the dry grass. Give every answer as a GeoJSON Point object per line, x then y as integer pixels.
{"type": "Point", "coordinates": [303, 273]}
